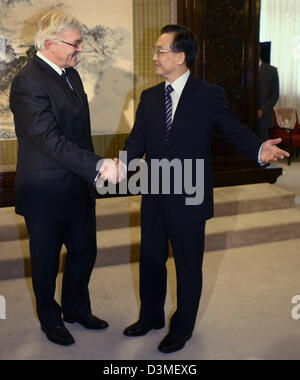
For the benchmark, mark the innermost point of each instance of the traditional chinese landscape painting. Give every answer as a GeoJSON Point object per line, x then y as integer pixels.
{"type": "Point", "coordinates": [105, 65]}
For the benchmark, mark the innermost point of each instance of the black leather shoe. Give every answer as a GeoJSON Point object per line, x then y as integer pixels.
{"type": "Point", "coordinates": [139, 328]}
{"type": "Point", "coordinates": [89, 322]}
{"type": "Point", "coordinates": [172, 343]}
{"type": "Point", "coordinates": [59, 335]}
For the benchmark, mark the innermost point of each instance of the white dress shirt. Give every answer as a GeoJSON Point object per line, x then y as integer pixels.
{"type": "Point", "coordinates": [178, 86]}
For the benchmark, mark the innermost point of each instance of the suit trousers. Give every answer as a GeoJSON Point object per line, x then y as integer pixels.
{"type": "Point", "coordinates": [46, 239]}
{"type": "Point", "coordinates": [187, 243]}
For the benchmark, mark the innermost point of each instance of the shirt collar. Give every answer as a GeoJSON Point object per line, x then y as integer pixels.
{"type": "Point", "coordinates": [179, 83]}
{"type": "Point", "coordinates": [53, 65]}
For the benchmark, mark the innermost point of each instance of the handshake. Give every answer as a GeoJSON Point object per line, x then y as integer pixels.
{"type": "Point", "coordinates": [111, 170]}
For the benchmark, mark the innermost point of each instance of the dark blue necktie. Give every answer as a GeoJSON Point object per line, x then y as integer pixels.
{"type": "Point", "coordinates": [64, 75]}
{"type": "Point", "coordinates": [168, 110]}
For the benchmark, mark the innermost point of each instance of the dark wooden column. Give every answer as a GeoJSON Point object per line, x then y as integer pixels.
{"type": "Point", "coordinates": [228, 33]}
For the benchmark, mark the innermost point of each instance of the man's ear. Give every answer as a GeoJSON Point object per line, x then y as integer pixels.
{"type": "Point", "coordinates": [180, 58]}
{"type": "Point", "coordinates": [48, 45]}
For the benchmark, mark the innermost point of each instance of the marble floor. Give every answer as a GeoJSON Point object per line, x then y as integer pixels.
{"type": "Point", "coordinates": [246, 311]}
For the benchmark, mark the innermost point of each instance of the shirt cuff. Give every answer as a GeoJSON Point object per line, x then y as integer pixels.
{"type": "Point", "coordinates": [98, 168]}
{"type": "Point", "coordinates": [258, 160]}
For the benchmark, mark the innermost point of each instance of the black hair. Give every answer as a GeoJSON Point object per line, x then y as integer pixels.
{"type": "Point", "coordinates": [184, 41]}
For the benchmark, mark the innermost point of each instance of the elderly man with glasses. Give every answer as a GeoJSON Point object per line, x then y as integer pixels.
{"type": "Point", "coordinates": [56, 173]}
{"type": "Point", "coordinates": [175, 121]}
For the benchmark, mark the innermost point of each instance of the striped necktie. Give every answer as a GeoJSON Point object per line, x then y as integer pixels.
{"type": "Point", "coordinates": [168, 110]}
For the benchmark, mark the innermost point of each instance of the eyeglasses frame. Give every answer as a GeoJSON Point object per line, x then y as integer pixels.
{"type": "Point", "coordinates": [157, 51]}
{"type": "Point", "coordinates": [76, 46]}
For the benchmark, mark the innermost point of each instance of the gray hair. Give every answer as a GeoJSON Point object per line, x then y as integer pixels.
{"type": "Point", "coordinates": [51, 26]}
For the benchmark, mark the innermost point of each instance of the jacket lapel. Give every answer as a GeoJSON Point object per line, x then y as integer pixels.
{"type": "Point", "coordinates": [76, 92]}
{"type": "Point", "coordinates": [184, 108]}
{"type": "Point", "coordinates": [159, 113]}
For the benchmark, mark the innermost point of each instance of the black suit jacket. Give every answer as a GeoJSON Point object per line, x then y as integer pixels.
{"type": "Point", "coordinates": [201, 111]}
{"type": "Point", "coordinates": [56, 164]}
{"type": "Point", "coordinates": [268, 93]}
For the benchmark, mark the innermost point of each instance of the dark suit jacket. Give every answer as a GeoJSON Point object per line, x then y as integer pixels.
{"type": "Point", "coordinates": [201, 111]}
{"type": "Point", "coordinates": [56, 165]}
{"type": "Point", "coordinates": [268, 93]}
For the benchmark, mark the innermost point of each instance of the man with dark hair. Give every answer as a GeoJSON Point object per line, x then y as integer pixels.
{"type": "Point", "coordinates": [176, 120]}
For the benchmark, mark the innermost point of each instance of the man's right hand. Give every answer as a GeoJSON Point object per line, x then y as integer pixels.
{"type": "Point", "coordinates": [111, 170]}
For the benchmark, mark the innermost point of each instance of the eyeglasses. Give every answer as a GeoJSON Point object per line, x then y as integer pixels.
{"type": "Point", "coordinates": [76, 45]}
{"type": "Point", "coordinates": [159, 51]}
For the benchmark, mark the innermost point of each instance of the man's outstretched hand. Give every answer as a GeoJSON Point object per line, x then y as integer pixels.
{"type": "Point", "coordinates": [270, 152]}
